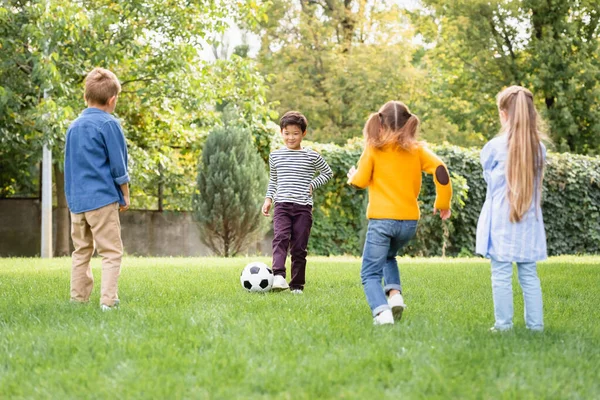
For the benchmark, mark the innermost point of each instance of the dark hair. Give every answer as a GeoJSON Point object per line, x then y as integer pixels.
{"type": "Point", "coordinates": [393, 124]}
{"type": "Point", "coordinates": [293, 118]}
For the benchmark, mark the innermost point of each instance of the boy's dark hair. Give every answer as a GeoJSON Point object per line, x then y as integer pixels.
{"type": "Point", "coordinates": [293, 118]}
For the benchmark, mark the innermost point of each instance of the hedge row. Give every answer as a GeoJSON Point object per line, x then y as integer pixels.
{"type": "Point", "coordinates": [571, 205]}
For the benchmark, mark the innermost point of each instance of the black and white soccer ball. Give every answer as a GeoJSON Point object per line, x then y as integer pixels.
{"type": "Point", "coordinates": [257, 277]}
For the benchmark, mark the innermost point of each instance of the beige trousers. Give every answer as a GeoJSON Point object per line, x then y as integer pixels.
{"type": "Point", "coordinates": [102, 228]}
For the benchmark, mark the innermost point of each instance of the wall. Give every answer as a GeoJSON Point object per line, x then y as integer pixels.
{"type": "Point", "coordinates": [144, 233]}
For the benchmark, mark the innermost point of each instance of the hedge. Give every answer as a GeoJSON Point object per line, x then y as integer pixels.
{"type": "Point", "coordinates": [571, 205]}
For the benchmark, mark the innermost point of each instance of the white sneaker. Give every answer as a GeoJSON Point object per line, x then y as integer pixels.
{"type": "Point", "coordinates": [396, 302]}
{"type": "Point", "coordinates": [279, 284]}
{"type": "Point", "coordinates": [384, 318]}
{"type": "Point", "coordinates": [297, 291]}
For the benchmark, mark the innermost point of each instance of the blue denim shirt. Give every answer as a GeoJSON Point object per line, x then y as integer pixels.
{"type": "Point", "coordinates": [95, 161]}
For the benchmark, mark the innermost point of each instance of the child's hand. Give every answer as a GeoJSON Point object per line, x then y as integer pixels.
{"type": "Point", "coordinates": [126, 206]}
{"type": "Point", "coordinates": [310, 189]}
{"type": "Point", "coordinates": [266, 207]}
{"type": "Point", "coordinates": [444, 214]}
{"type": "Point", "coordinates": [351, 173]}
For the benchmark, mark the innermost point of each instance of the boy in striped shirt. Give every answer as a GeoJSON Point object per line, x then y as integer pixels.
{"type": "Point", "coordinates": [291, 185]}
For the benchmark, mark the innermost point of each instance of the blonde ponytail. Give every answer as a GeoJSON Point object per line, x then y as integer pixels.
{"type": "Point", "coordinates": [524, 166]}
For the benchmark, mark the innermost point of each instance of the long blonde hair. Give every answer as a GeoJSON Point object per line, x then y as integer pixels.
{"type": "Point", "coordinates": [392, 124]}
{"type": "Point", "coordinates": [524, 165]}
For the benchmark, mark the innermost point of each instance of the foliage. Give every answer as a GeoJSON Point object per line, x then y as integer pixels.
{"type": "Point", "coordinates": [231, 182]}
{"type": "Point", "coordinates": [571, 205]}
{"type": "Point", "coordinates": [337, 62]}
{"type": "Point", "coordinates": [170, 94]}
{"type": "Point", "coordinates": [338, 210]}
{"type": "Point", "coordinates": [187, 330]}
{"type": "Point", "coordinates": [550, 47]}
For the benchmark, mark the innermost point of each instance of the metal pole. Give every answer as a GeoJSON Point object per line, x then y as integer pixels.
{"type": "Point", "coordinates": [46, 251]}
{"type": "Point", "coordinates": [46, 247]}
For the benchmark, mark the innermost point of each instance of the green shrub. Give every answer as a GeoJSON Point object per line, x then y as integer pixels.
{"type": "Point", "coordinates": [231, 182]}
{"type": "Point", "coordinates": [571, 205]}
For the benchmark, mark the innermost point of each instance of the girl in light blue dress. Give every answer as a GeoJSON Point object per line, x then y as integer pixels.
{"type": "Point", "coordinates": [510, 227]}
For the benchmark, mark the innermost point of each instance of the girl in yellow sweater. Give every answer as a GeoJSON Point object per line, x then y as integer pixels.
{"type": "Point", "coordinates": [391, 167]}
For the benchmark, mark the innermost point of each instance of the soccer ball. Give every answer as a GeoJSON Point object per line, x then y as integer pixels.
{"type": "Point", "coordinates": [257, 277]}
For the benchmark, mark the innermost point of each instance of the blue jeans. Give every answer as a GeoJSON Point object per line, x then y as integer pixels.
{"type": "Point", "coordinates": [384, 238]}
{"type": "Point", "coordinates": [503, 297]}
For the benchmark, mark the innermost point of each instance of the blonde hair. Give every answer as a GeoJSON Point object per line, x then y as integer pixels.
{"type": "Point", "coordinates": [393, 124]}
{"type": "Point", "coordinates": [524, 165]}
{"type": "Point", "coordinates": [100, 86]}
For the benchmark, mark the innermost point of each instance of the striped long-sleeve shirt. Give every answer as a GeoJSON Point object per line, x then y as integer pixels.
{"type": "Point", "coordinates": [293, 175]}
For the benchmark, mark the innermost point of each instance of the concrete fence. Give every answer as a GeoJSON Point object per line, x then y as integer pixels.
{"type": "Point", "coordinates": [144, 233]}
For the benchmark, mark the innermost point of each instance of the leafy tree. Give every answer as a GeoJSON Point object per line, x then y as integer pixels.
{"type": "Point", "coordinates": [169, 93]}
{"type": "Point", "coordinates": [231, 183]}
{"type": "Point", "coordinates": [338, 61]}
{"type": "Point", "coordinates": [478, 47]}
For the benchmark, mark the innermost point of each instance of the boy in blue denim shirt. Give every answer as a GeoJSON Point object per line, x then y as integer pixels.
{"type": "Point", "coordinates": [96, 186]}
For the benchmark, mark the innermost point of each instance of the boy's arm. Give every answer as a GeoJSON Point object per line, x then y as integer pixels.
{"type": "Point", "coordinates": [362, 178]}
{"type": "Point", "coordinates": [272, 188]}
{"type": "Point", "coordinates": [325, 172]}
{"type": "Point", "coordinates": [432, 164]}
{"type": "Point", "coordinates": [116, 148]}
{"type": "Point", "coordinates": [125, 190]}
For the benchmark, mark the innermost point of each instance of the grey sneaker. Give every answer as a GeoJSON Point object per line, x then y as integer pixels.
{"type": "Point", "coordinates": [104, 307]}
{"type": "Point", "coordinates": [297, 291]}
{"type": "Point", "coordinates": [279, 284]}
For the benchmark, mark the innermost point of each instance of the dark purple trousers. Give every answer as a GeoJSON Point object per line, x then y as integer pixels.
{"type": "Point", "coordinates": [291, 226]}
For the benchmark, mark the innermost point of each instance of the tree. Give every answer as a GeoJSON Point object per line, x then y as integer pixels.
{"type": "Point", "coordinates": [477, 47]}
{"type": "Point", "coordinates": [338, 61]}
{"type": "Point", "coordinates": [169, 93]}
{"type": "Point", "coordinates": [231, 184]}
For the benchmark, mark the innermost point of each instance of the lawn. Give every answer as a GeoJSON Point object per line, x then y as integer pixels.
{"type": "Point", "coordinates": [186, 329]}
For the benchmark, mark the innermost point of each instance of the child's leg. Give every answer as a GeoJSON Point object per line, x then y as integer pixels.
{"type": "Point", "coordinates": [532, 295]}
{"type": "Point", "coordinates": [106, 228]}
{"type": "Point", "coordinates": [375, 253]}
{"type": "Point", "coordinates": [282, 229]}
{"type": "Point", "coordinates": [391, 273]}
{"type": "Point", "coordinates": [82, 280]}
{"type": "Point", "coordinates": [502, 294]}
{"type": "Point", "coordinates": [302, 222]}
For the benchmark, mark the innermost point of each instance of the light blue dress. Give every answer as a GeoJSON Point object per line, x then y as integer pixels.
{"type": "Point", "coordinates": [497, 237]}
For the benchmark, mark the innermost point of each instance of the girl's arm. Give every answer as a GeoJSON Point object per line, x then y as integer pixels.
{"type": "Point", "coordinates": [362, 178]}
{"type": "Point", "coordinates": [432, 164]}
{"type": "Point", "coordinates": [486, 157]}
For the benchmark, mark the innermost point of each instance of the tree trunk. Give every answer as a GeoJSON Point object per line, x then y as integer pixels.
{"type": "Point", "coordinates": [63, 247]}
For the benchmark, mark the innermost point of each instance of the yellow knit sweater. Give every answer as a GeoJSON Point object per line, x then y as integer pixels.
{"type": "Point", "coordinates": [393, 177]}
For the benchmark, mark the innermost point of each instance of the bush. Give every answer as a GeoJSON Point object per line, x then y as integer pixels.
{"type": "Point", "coordinates": [571, 205]}
{"type": "Point", "coordinates": [231, 184]}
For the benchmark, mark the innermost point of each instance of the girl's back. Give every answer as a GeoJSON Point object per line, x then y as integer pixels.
{"type": "Point", "coordinates": [511, 227]}
{"type": "Point", "coordinates": [393, 176]}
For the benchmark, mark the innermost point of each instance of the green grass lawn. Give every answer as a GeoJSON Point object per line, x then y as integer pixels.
{"type": "Point", "coordinates": [186, 329]}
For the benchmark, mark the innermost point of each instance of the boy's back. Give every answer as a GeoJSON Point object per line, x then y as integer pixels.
{"type": "Point", "coordinates": [95, 161]}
